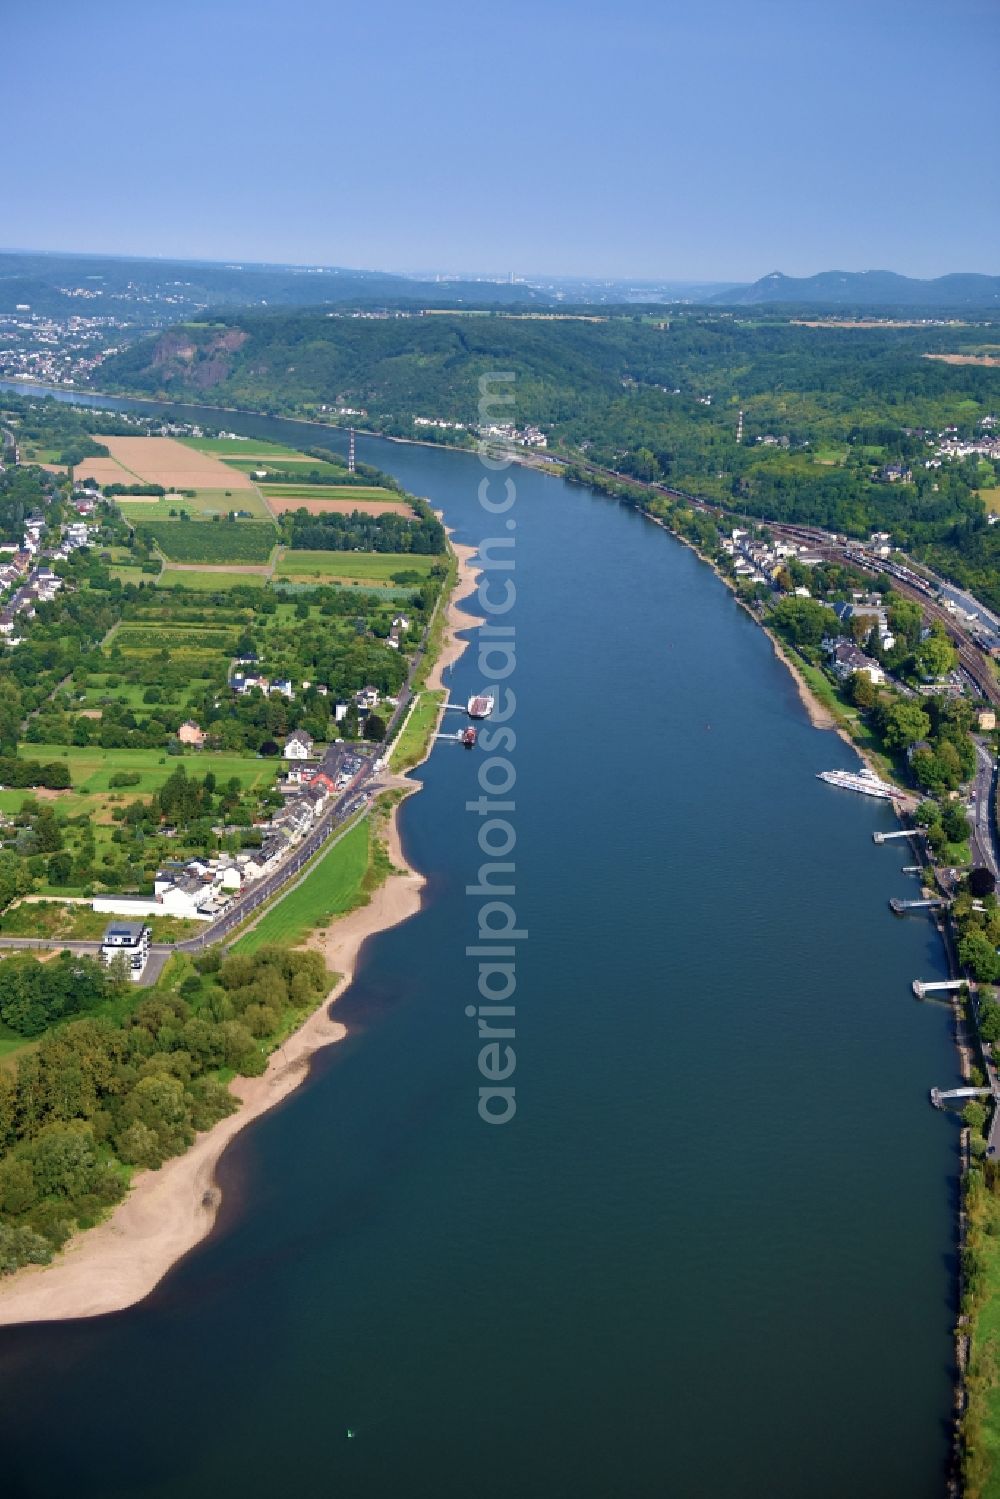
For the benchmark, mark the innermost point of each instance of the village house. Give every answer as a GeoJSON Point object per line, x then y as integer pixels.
{"type": "Point", "coordinates": [400, 625]}
{"type": "Point", "coordinates": [846, 659]}
{"type": "Point", "coordinates": [896, 473]}
{"type": "Point", "coordinates": [128, 940]}
{"type": "Point", "coordinates": [871, 612]}
{"type": "Point", "coordinates": [298, 746]}
{"type": "Point", "coordinates": [315, 797]}
{"type": "Point", "coordinates": [191, 733]}
{"type": "Point", "coordinates": [244, 684]}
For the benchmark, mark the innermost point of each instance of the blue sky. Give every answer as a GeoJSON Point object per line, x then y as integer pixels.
{"type": "Point", "coordinates": [703, 140]}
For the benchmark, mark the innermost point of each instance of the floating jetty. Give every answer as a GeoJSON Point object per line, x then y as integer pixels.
{"type": "Point", "coordinates": [903, 833]}
{"type": "Point", "coordinates": [941, 1096]}
{"type": "Point", "coordinates": [940, 986]}
{"type": "Point", "coordinates": [932, 903]}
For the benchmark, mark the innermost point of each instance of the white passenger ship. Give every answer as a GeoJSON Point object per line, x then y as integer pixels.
{"type": "Point", "coordinates": [865, 781]}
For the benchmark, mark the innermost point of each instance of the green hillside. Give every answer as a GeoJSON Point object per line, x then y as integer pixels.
{"type": "Point", "coordinates": [648, 395]}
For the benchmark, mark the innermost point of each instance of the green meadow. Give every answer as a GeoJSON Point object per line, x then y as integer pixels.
{"type": "Point", "coordinates": [332, 886]}
{"type": "Point", "coordinates": [202, 504]}
{"type": "Point", "coordinates": [363, 567]}
{"type": "Point", "coordinates": [356, 492]}
{"type": "Point", "coordinates": [208, 582]}
{"type": "Point", "coordinates": [91, 767]}
{"type": "Point", "coordinates": [224, 447]}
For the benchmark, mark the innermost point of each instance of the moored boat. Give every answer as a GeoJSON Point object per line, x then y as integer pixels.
{"type": "Point", "coordinates": [865, 781]}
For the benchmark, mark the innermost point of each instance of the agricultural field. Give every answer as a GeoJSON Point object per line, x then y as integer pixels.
{"type": "Point", "coordinates": [991, 499]}
{"type": "Point", "coordinates": [37, 452]}
{"type": "Point", "coordinates": [206, 581]}
{"type": "Point", "coordinates": [241, 448]}
{"type": "Point", "coordinates": [103, 471]}
{"type": "Point", "coordinates": [156, 636]}
{"type": "Point", "coordinates": [200, 504]}
{"type": "Point", "coordinates": [377, 569]}
{"type": "Point", "coordinates": [104, 688]}
{"type": "Point", "coordinates": [332, 886]}
{"type": "Point", "coordinates": [988, 360]}
{"type": "Point", "coordinates": [164, 460]}
{"type": "Point", "coordinates": [330, 499]}
{"type": "Point", "coordinates": [225, 541]}
{"type": "Point", "coordinates": [91, 833]}
{"type": "Point", "coordinates": [132, 575]}
{"type": "Point", "coordinates": [92, 767]}
{"type": "Point", "coordinates": [301, 468]}
{"type": "Point", "coordinates": [336, 492]}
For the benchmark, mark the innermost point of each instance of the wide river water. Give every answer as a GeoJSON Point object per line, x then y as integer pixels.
{"type": "Point", "coordinates": [713, 1255]}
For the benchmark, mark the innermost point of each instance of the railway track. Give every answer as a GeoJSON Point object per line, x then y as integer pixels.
{"type": "Point", "coordinates": [975, 662]}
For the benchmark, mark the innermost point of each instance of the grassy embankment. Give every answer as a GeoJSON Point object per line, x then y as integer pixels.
{"type": "Point", "coordinates": [981, 1424]}
{"type": "Point", "coordinates": [846, 715]}
{"type": "Point", "coordinates": [339, 880]}
{"type": "Point", "coordinates": [412, 741]}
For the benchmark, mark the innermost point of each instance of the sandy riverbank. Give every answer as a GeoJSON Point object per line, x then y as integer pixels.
{"type": "Point", "coordinates": [168, 1212]}
{"type": "Point", "coordinates": [456, 618]}
{"type": "Point", "coordinates": [819, 716]}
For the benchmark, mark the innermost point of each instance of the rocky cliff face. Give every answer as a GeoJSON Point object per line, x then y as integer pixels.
{"type": "Point", "coordinates": [193, 360]}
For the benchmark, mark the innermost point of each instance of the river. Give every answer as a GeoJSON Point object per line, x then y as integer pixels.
{"type": "Point", "coordinates": [713, 1255]}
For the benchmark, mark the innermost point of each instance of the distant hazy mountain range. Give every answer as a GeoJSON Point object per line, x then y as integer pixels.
{"type": "Point", "coordinates": [867, 289]}
{"type": "Point", "coordinates": [152, 293]}
{"type": "Point", "coordinates": [155, 291]}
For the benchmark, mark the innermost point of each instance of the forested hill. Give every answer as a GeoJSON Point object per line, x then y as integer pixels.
{"type": "Point", "coordinates": [870, 289]}
{"type": "Point", "coordinates": [650, 395]}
